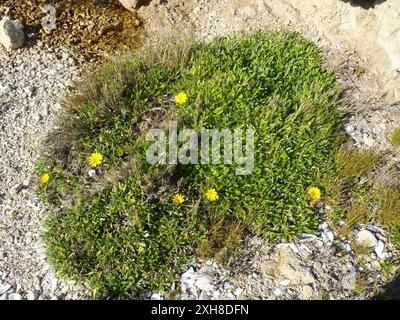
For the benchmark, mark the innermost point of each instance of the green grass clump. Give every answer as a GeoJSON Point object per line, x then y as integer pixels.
{"type": "Point", "coordinates": [388, 199]}
{"type": "Point", "coordinates": [395, 138]}
{"type": "Point", "coordinates": [353, 163]}
{"type": "Point", "coordinates": [119, 229]}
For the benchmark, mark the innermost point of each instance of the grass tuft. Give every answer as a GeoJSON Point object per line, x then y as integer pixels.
{"type": "Point", "coordinates": [395, 138]}
{"type": "Point", "coordinates": [353, 163]}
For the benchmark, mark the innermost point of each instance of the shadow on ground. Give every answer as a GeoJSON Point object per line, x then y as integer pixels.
{"type": "Point", "coordinates": [366, 4]}
{"type": "Point", "coordinates": [391, 291]}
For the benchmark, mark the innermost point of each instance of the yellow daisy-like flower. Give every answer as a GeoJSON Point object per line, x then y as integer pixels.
{"type": "Point", "coordinates": [314, 193]}
{"type": "Point", "coordinates": [211, 195]}
{"type": "Point", "coordinates": [44, 178]}
{"type": "Point", "coordinates": [181, 98]}
{"type": "Point", "coordinates": [95, 159]}
{"type": "Point", "coordinates": [178, 199]}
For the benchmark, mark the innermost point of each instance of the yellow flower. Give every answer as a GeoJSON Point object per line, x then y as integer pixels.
{"type": "Point", "coordinates": [95, 159]}
{"type": "Point", "coordinates": [178, 199]}
{"type": "Point", "coordinates": [314, 193]}
{"type": "Point", "coordinates": [211, 195]}
{"type": "Point", "coordinates": [44, 178]}
{"type": "Point", "coordinates": [181, 98]}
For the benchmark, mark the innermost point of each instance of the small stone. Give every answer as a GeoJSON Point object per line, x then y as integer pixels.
{"type": "Point", "coordinates": [349, 280]}
{"type": "Point", "coordinates": [366, 238]}
{"type": "Point", "coordinates": [54, 283]}
{"type": "Point", "coordinates": [155, 296]}
{"type": "Point", "coordinates": [342, 246]}
{"type": "Point", "coordinates": [12, 34]}
{"type": "Point", "coordinates": [31, 295]}
{"type": "Point", "coordinates": [349, 129]}
{"type": "Point", "coordinates": [92, 173]}
{"type": "Point", "coordinates": [329, 234]}
{"type": "Point", "coordinates": [188, 274]}
{"type": "Point", "coordinates": [238, 292]}
{"type": "Point", "coordinates": [379, 248]}
{"type": "Point", "coordinates": [323, 226]}
{"type": "Point", "coordinates": [29, 90]}
{"type": "Point", "coordinates": [204, 282]}
{"type": "Point", "coordinates": [6, 89]}
{"type": "Point", "coordinates": [319, 243]}
{"type": "Point", "coordinates": [373, 229]}
{"type": "Point", "coordinates": [4, 288]}
{"type": "Point", "coordinates": [305, 237]}
{"type": "Point", "coordinates": [227, 285]}
{"type": "Point", "coordinates": [216, 294]}
{"type": "Point", "coordinates": [341, 223]}
{"type": "Point", "coordinates": [278, 292]}
{"type": "Point", "coordinates": [14, 296]}
{"type": "Point", "coordinates": [187, 284]}
{"type": "Point", "coordinates": [16, 189]}
{"type": "Point", "coordinates": [285, 283]}
{"type": "Point", "coordinates": [369, 142]}
{"type": "Point", "coordinates": [307, 292]}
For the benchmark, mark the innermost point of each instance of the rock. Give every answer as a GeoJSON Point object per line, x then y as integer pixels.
{"type": "Point", "coordinates": [155, 296]}
{"type": "Point", "coordinates": [12, 34]}
{"type": "Point", "coordinates": [5, 89]}
{"type": "Point", "coordinates": [349, 129]}
{"type": "Point", "coordinates": [4, 288]}
{"type": "Point", "coordinates": [343, 23]}
{"type": "Point", "coordinates": [285, 283]}
{"type": "Point", "coordinates": [227, 285]}
{"type": "Point", "coordinates": [349, 280]}
{"type": "Point", "coordinates": [14, 296]}
{"type": "Point", "coordinates": [379, 248]}
{"type": "Point", "coordinates": [238, 292]}
{"type": "Point", "coordinates": [305, 237]}
{"type": "Point", "coordinates": [323, 226]}
{"type": "Point", "coordinates": [369, 142]}
{"type": "Point", "coordinates": [31, 295]}
{"type": "Point", "coordinates": [286, 266]}
{"type": "Point", "coordinates": [188, 274]}
{"type": "Point", "coordinates": [204, 282]}
{"type": "Point", "coordinates": [54, 284]}
{"type": "Point", "coordinates": [307, 292]}
{"type": "Point", "coordinates": [131, 5]}
{"type": "Point", "coordinates": [366, 238]}
{"type": "Point", "coordinates": [278, 292]}
{"type": "Point", "coordinates": [187, 284]}
{"type": "Point", "coordinates": [375, 229]}
{"type": "Point", "coordinates": [345, 247]}
{"type": "Point", "coordinates": [327, 236]}
{"type": "Point", "coordinates": [17, 188]}
{"type": "Point", "coordinates": [30, 90]}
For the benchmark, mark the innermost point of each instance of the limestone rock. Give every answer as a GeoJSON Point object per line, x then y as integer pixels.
{"type": "Point", "coordinates": [307, 292]}
{"type": "Point", "coordinates": [365, 238]}
{"type": "Point", "coordinates": [374, 33]}
{"type": "Point", "coordinates": [131, 5]}
{"type": "Point", "coordinates": [12, 34]}
{"type": "Point", "coordinates": [286, 266]}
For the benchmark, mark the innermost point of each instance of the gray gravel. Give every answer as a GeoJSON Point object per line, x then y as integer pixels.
{"type": "Point", "coordinates": [32, 80]}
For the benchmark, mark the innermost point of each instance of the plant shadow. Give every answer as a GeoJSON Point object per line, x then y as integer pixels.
{"type": "Point", "coordinates": [390, 291]}
{"type": "Point", "coordinates": [366, 4]}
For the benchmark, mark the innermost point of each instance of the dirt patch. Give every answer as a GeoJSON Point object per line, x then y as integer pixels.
{"type": "Point", "coordinates": [93, 29]}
